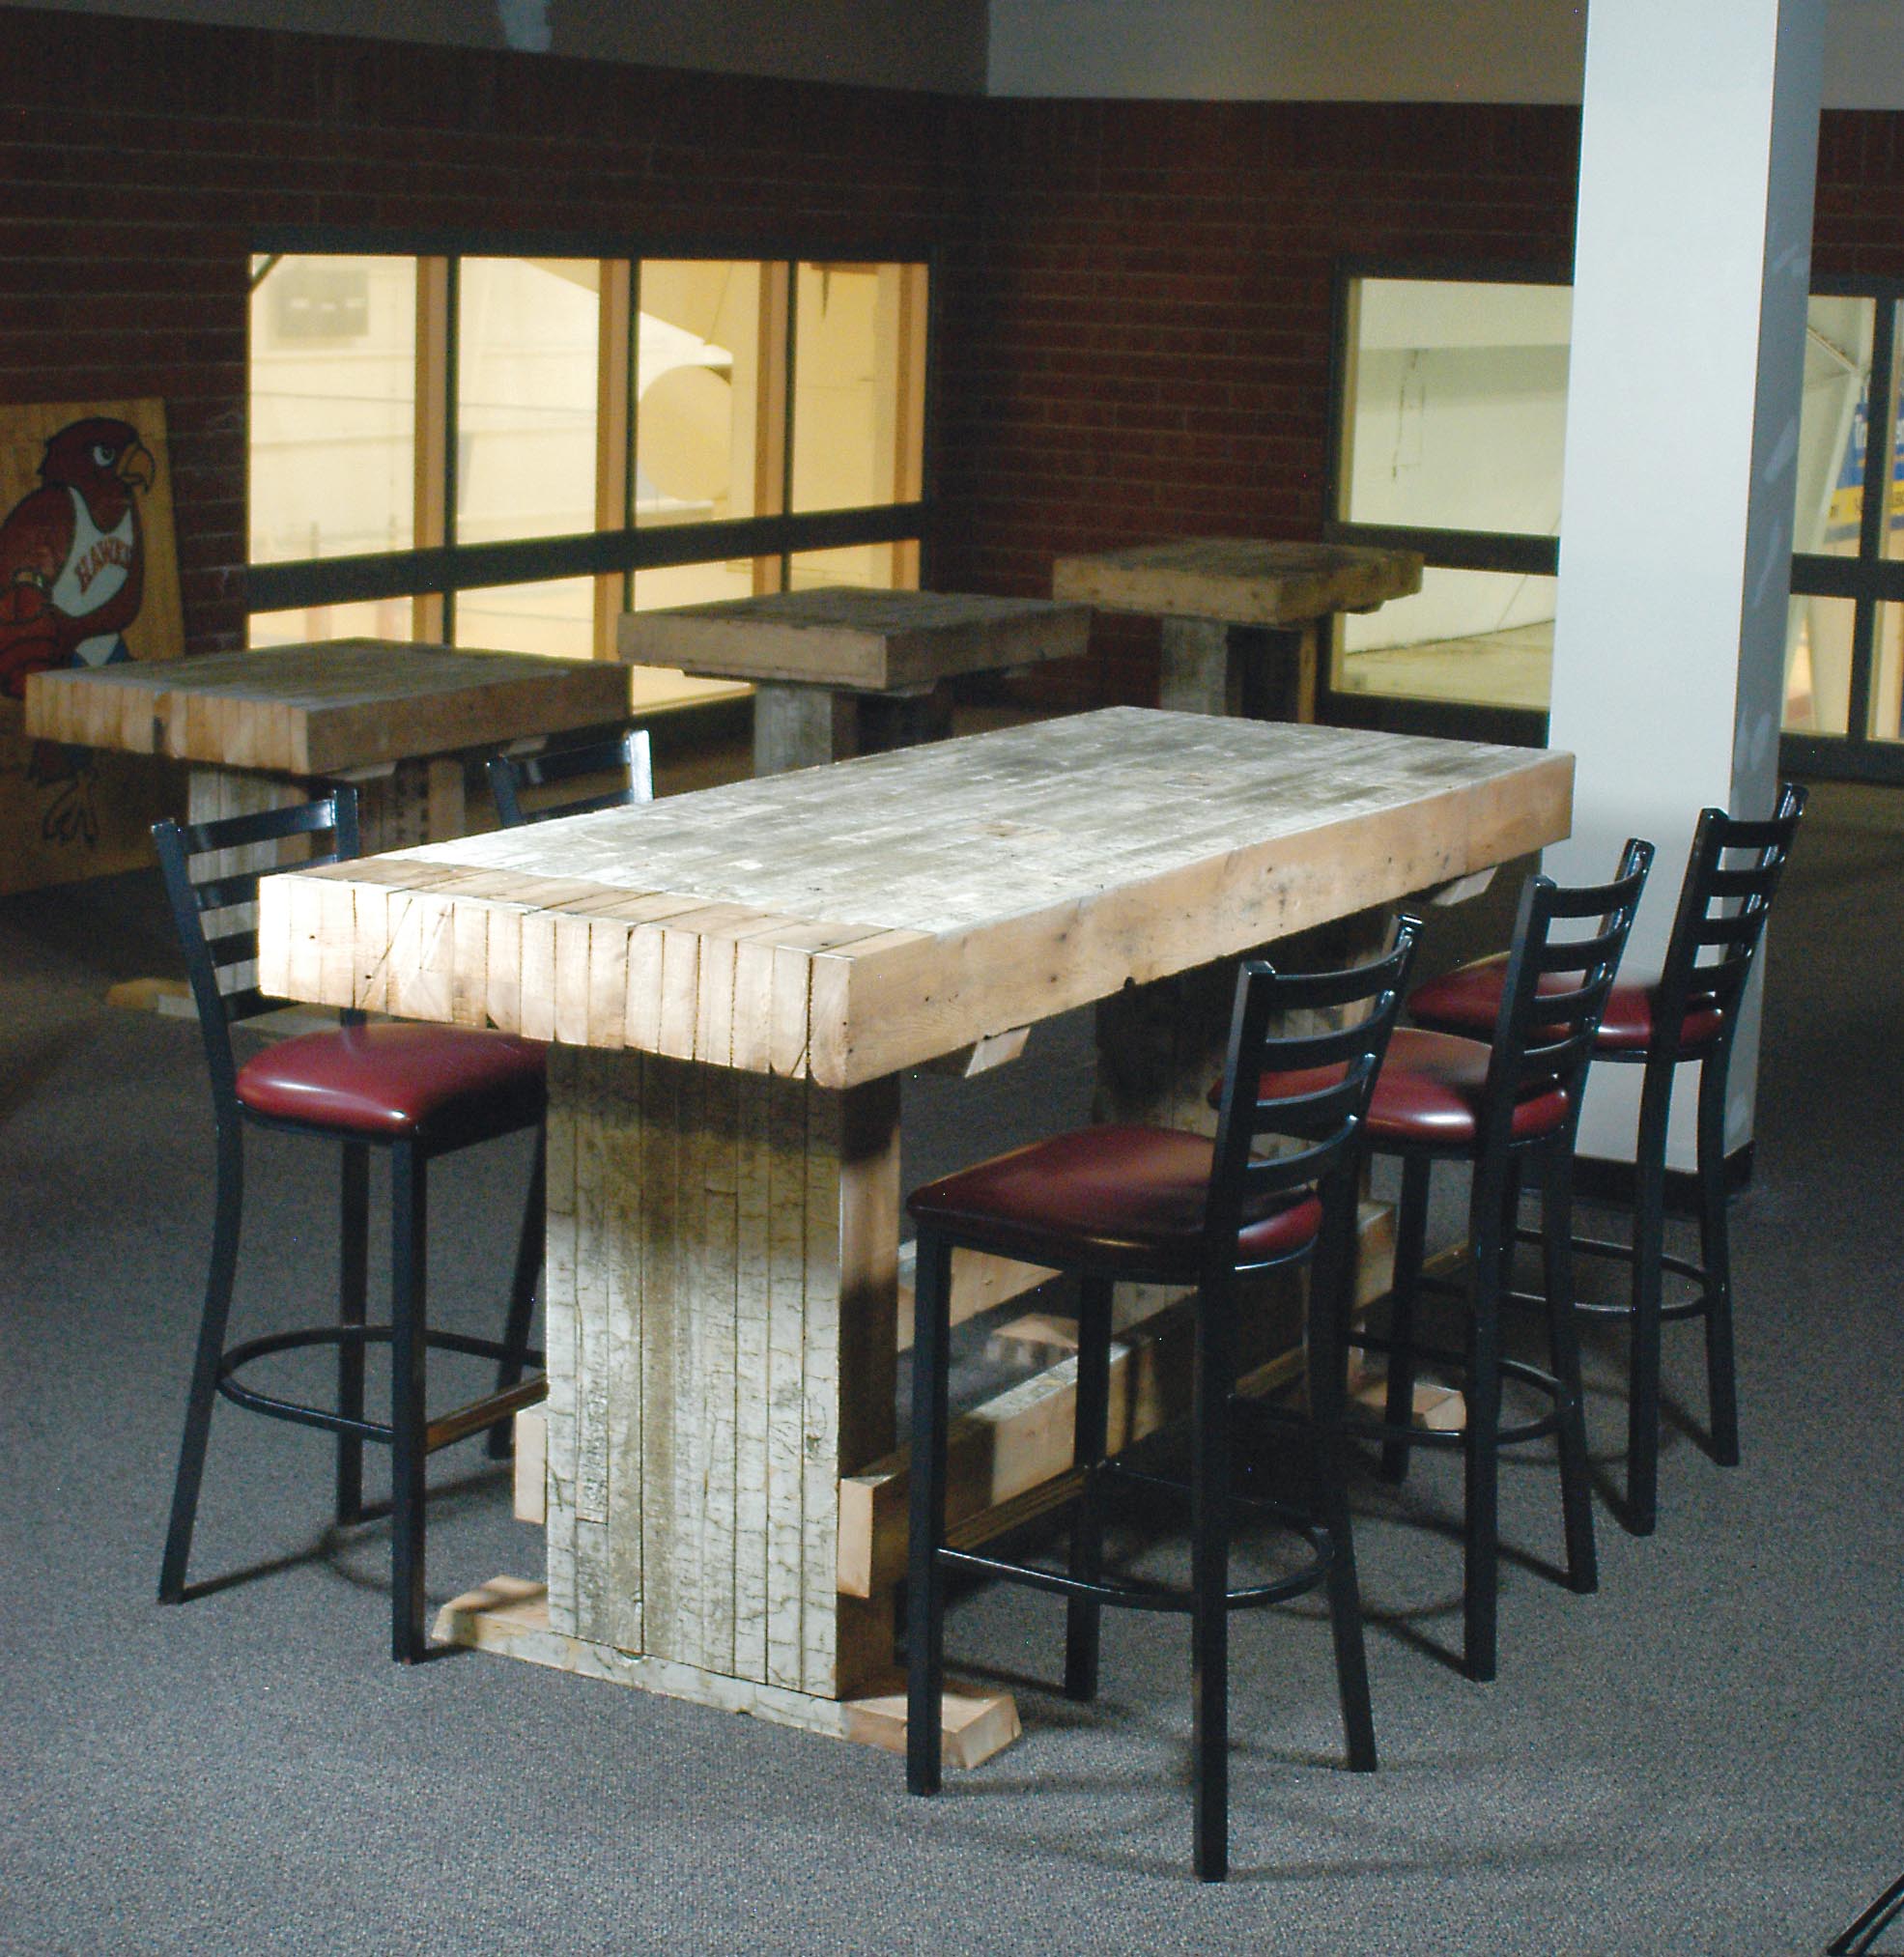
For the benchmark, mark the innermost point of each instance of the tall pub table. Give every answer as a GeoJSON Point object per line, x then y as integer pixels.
{"type": "Point", "coordinates": [839, 671]}
{"type": "Point", "coordinates": [264, 727]}
{"type": "Point", "coordinates": [734, 982]}
{"type": "Point", "coordinates": [1245, 620]}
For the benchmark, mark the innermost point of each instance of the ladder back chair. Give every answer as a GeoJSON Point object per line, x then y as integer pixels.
{"type": "Point", "coordinates": [1159, 1206]}
{"type": "Point", "coordinates": [1502, 1106]}
{"type": "Point", "coordinates": [627, 757]}
{"type": "Point", "coordinates": [414, 1091]}
{"type": "Point", "coordinates": [1687, 1014]}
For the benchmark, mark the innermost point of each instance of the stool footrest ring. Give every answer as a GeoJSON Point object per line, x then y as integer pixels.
{"type": "Point", "coordinates": [440, 1433]}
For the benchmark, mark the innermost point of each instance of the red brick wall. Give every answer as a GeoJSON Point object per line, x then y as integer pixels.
{"type": "Point", "coordinates": [1133, 303]}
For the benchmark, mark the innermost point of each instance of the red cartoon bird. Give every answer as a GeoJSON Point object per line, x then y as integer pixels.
{"type": "Point", "coordinates": [73, 553]}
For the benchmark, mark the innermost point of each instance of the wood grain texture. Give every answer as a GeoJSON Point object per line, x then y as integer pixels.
{"type": "Point", "coordinates": [721, 1295]}
{"type": "Point", "coordinates": [887, 911]}
{"type": "Point", "coordinates": [861, 641]}
{"type": "Point", "coordinates": [1242, 581]}
{"type": "Point", "coordinates": [322, 709]}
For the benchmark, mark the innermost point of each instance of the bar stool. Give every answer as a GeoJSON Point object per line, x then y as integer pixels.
{"type": "Point", "coordinates": [1158, 1206]}
{"type": "Point", "coordinates": [1502, 1106]}
{"type": "Point", "coordinates": [1690, 1013]}
{"type": "Point", "coordinates": [418, 1092]}
{"type": "Point", "coordinates": [511, 775]}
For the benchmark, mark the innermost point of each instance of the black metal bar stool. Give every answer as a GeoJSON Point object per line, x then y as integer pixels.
{"type": "Point", "coordinates": [626, 756]}
{"type": "Point", "coordinates": [1690, 1013]}
{"type": "Point", "coordinates": [1502, 1106]}
{"type": "Point", "coordinates": [418, 1092]}
{"type": "Point", "coordinates": [1161, 1207]}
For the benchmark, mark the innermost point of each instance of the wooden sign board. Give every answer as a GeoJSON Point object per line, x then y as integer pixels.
{"type": "Point", "coordinates": [89, 572]}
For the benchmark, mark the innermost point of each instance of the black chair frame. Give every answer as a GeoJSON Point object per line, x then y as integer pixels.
{"type": "Point", "coordinates": [1718, 929]}
{"type": "Point", "coordinates": [1542, 1040]}
{"type": "Point", "coordinates": [512, 776]}
{"type": "Point", "coordinates": [1323, 1114]}
{"type": "Point", "coordinates": [409, 1434]}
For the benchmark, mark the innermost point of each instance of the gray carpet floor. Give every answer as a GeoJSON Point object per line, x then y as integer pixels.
{"type": "Point", "coordinates": [1700, 1758]}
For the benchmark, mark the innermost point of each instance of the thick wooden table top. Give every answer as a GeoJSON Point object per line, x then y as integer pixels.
{"type": "Point", "coordinates": [865, 642]}
{"type": "Point", "coordinates": [1239, 581]}
{"type": "Point", "coordinates": [844, 922]}
{"type": "Point", "coordinates": [325, 708]}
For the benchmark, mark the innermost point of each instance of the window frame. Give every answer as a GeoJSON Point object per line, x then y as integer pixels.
{"type": "Point", "coordinates": [1517, 552]}
{"type": "Point", "coordinates": [431, 573]}
{"type": "Point", "coordinates": [1869, 579]}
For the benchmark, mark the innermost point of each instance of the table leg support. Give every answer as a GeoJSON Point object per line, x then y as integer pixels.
{"type": "Point", "coordinates": [722, 1301]}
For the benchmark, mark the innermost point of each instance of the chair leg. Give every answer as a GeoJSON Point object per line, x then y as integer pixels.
{"type": "Point", "coordinates": [353, 1291]}
{"type": "Point", "coordinates": [1649, 1230]}
{"type": "Point", "coordinates": [1716, 1257]}
{"type": "Point", "coordinates": [522, 1294]}
{"type": "Point", "coordinates": [925, 1587]}
{"type": "Point", "coordinates": [408, 1283]}
{"type": "Point", "coordinates": [1082, 1617]}
{"type": "Point", "coordinates": [1411, 1234]}
{"type": "Point", "coordinates": [1210, 1583]}
{"type": "Point", "coordinates": [204, 1388]}
{"type": "Point", "coordinates": [1564, 1344]}
{"type": "Point", "coordinates": [1329, 1364]}
{"type": "Point", "coordinates": [1481, 1435]}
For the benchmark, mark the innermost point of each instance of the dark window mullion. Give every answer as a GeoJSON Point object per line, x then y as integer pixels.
{"type": "Point", "coordinates": [452, 435]}
{"type": "Point", "coordinates": [791, 357]}
{"type": "Point", "coordinates": [1880, 418]}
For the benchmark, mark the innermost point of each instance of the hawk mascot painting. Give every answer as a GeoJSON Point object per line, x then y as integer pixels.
{"type": "Point", "coordinates": [73, 553]}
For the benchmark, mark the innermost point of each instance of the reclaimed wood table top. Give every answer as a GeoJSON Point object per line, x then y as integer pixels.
{"type": "Point", "coordinates": [1240, 581]}
{"type": "Point", "coordinates": [844, 636]}
{"type": "Point", "coordinates": [321, 709]}
{"type": "Point", "coordinates": [844, 922]}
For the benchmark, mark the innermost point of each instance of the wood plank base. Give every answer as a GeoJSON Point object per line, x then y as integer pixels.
{"type": "Point", "coordinates": [510, 1615]}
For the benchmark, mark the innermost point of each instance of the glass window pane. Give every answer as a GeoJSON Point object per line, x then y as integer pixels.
{"type": "Point", "coordinates": [1835, 402]}
{"type": "Point", "coordinates": [527, 330]}
{"type": "Point", "coordinates": [1818, 665]}
{"type": "Point", "coordinates": [666, 686]}
{"type": "Point", "coordinates": [878, 567]}
{"type": "Point", "coordinates": [372, 619]}
{"type": "Point", "coordinates": [555, 619]}
{"type": "Point", "coordinates": [1484, 638]}
{"type": "Point", "coordinates": [706, 443]}
{"type": "Point", "coordinates": [1456, 404]}
{"type": "Point", "coordinates": [1887, 675]}
{"type": "Point", "coordinates": [1891, 537]}
{"type": "Point", "coordinates": [333, 408]}
{"type": "Point", "coordinates": [858, 404]}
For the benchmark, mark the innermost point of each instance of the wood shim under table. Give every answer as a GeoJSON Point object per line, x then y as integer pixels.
{"type": "Point", "coordinates": [842, 924]}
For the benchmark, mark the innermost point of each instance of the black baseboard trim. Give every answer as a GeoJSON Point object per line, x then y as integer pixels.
{"type": "Point", "coordinates": [1598, 1179]}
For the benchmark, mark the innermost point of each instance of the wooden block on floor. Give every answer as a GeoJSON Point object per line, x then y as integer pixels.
{"type": "Point", "coordinates": [973, 1724]}
{"type": "Point", "coordinates": [1439, 1408]}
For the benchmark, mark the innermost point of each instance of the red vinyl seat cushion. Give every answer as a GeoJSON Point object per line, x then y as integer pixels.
{"type": "Point", "coordinates": [1116, 1197]}
{"type": "Point", "coordinates": [1432, 1089]}
{"type": "Point", "coordinates": [1466, 1000]}
{"type": "Point", "coordinates": [390, 1080]}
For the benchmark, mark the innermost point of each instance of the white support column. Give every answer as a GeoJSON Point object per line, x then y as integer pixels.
{"type": "Point", "coordinates": [1692, 260]}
